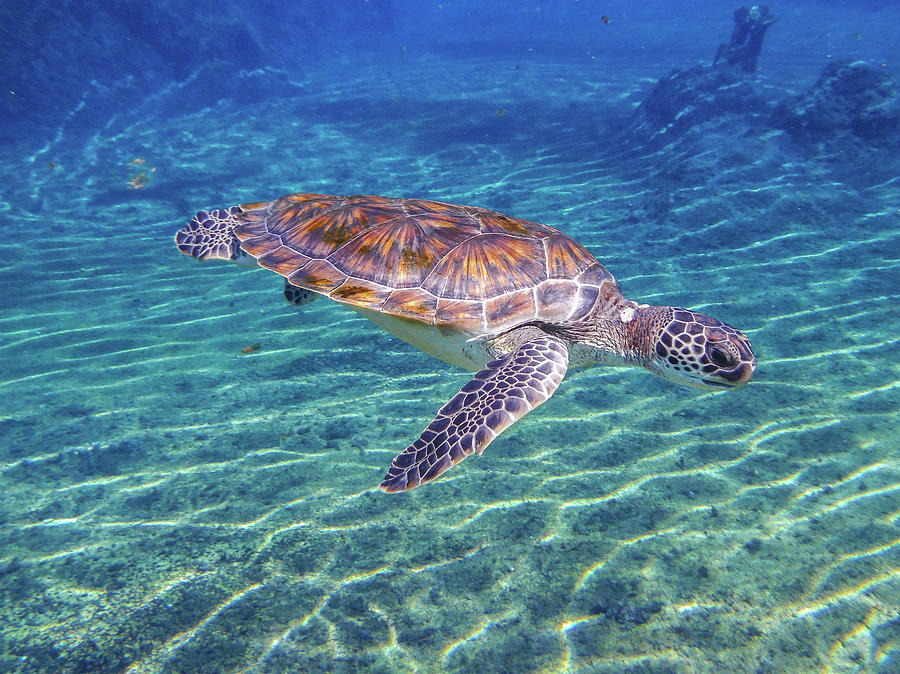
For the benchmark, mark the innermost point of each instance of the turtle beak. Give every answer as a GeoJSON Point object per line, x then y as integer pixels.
{"type": "Point", "coordinates": [743, 373]}
{"type": "Point", "coordinates": [735, 378]}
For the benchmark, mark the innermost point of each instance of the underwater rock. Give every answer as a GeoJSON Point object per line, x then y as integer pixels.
{"type": "Point", "coordinates": [419, 635]}
{"type": "Point", "coordinates": [10, 565]}
{"type": "Point", "coordinates": [107, 57]}
{"type": "Point", "coordinates": [685, 98]}
{"type": "Point", "coordinates": [626, 612]}
{"type": "Point", "coordinates": [859, 100]}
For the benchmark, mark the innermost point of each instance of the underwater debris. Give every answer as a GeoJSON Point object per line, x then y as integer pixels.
{"type": "Point", "coordinates": [140, 173]}
{"type": "Point", "coordinates": [746, 41]}
{"type": "Point", "coordinates": [139, 182]}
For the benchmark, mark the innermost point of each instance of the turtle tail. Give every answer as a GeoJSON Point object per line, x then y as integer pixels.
{"type": "Point", "coordinates": [210, 236]}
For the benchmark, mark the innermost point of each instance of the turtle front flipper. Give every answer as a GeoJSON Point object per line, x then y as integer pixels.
{"type": "Point", "coordinates": [498, 396]}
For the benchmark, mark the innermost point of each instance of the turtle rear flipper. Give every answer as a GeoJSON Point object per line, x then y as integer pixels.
{"type": "Point", "coordinates": [298, 296]}
{"type": "Point", "coordinates": [210, 236]}
{"type": "Point", "coordinates": [498, 396]}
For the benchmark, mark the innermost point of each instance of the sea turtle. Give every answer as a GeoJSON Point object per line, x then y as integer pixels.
{"type": "Point", "coordinates": [516, 301]}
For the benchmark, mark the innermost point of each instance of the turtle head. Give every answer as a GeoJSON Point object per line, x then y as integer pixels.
{"type": "Point", "coordinates": [691, 348]}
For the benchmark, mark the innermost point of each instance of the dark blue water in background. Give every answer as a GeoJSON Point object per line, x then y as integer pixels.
{"type": "Point", "coordinates": [76, 63]}
{"type": "Point", "coordinates": [188, 463]}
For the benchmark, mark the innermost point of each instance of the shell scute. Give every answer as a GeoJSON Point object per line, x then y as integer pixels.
{"type": "Point", "coordinates": [321, 234]}
{"type": "Point", "coordinates": [399, 253]}
{"type": "Point", "coordinates": [411, 302]}
{"type": "Point", "coordinates": [252, 219]}
{"type": "Point", "coordinates": [361, 293]}
{"type": "Point", "coordinates": [255, 206]}
{"type": "Point", "coordinates": [519, 304]}
{"type": "Point", "coordinates": [423, 206]}
{"type": "Point", "coordinates": [261, 245]}
{"type": "Point", "coordinates": [566, 258]}
{"type": "Point", "coordinates": [429, 261]}
{"type": "Point", "coordinates": [497, 223]}
{"type": "Point", "coordinates": [555, 297]}
{"type": "Point", "coordinates": [282, 220]}
{"type": "Point", "coordinates": [596, 275]}
{"type": "Point", "coordinates": [318, 275]}
{"type": "Point", "coordinates": [282, 260]}
{"type": "Point", "coordinates": [488, 265]}
{"type": "Point", "coordinates": [584, 301]}
{"type": "Point", "coordinates": [462, 313]}
{"type": "Point", "coordinates": [300, 207]}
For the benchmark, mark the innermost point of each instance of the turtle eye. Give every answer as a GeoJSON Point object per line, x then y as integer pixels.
{"type": "Point", "coordinates": [721, 357]}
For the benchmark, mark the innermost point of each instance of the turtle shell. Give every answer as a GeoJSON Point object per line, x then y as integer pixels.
{"type": "Point", "coordinates": [469, 268]}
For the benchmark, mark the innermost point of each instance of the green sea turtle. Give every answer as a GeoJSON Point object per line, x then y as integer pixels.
{"type": "Point", "coordinates": [516, 301]}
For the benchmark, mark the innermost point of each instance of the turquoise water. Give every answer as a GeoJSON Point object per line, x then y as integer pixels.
{"type": "Point", "coordinates": [176, 500]}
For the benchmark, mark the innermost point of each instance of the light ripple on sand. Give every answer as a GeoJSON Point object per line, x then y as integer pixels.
{"type": "Point", "coordinates": [478, 516]}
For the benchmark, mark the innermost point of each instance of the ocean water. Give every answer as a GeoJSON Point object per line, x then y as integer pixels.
{"type": "Point", "coordinates": [190, 464]}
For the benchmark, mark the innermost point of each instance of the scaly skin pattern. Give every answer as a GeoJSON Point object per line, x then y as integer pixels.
{"type": "Point", "coordinates": [682, 346]}
{"type": "Point", "coordinates": [467, 284]}
{"type": "Point", "coordinates": [687, 347]}
{"type": "Point", "coordinates": [498, 396]}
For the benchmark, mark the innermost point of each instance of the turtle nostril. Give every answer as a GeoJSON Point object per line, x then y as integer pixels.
{"type": "Point", "coordinates": [721, 357]}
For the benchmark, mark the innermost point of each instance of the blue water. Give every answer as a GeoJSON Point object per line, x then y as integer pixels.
{"type": "Point", "coordinates": [190, 464]}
